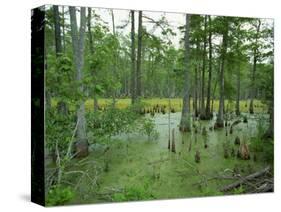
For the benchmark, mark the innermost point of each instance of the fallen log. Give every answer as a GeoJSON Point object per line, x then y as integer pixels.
{"type": "Point", "coordinates": [245, 179]}
{"type": "Point", "coordinates": [267, 187]}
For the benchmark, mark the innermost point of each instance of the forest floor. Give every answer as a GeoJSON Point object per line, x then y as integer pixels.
{"type": "Point", "coordinates": [135, 167]}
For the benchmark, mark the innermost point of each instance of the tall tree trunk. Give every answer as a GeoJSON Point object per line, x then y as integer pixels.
{"type": "Point", "coordinates": [92, 52]}
{"type": "Point", "coordinates": [139, 51]}
{"type": "Point", "coordinates": [237, 107]}
{"type": "Point", "coordinates": [114, 60]}
{"type": "Point", "coordinates": [202, 106]}
{"type": "Point", "coordinates": [133, 58]}
{"type": "Point", "coordinates": [213, 96]}
{"type": "Point", "coordinates": [169, 109]}
{"type": "Point", "coordinates": [63, 29]}
{"type": "Point", "coordinates": [196, 93]}
{"type": "Point", "coordinates": [78, 53]}
{"type": "Point", "coordinates": [90, 36]}
{"type": "Point", "coordinates": [208, 111]}
{"type": "Point", "coordinates": [62, 107]}
{"type": "Point", "coordinates": [199, 85]}
{"type": "Point", "coordinates": [197, 81]}
{"type": "Point", "coordinates": [252, 96]}
{"type": "Point", "coordinates": [57, 31]}
{"type": "Point", "coordinates": [220, 117]}
{"type": "Point", "coordinates": [270, 131]}
{"type": "Point", "coordinates": [185, 117]}
{"type": "Point", "coordinates": [253, 86]}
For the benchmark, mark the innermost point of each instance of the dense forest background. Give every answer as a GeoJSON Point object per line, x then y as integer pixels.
{"type": "Point", "coordinates": [111, 72]}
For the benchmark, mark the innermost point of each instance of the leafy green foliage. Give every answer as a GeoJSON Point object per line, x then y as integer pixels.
{"type": "Point", "coordinates": [59, 195]}
{"type": "Point", "coordinates": [148, 128]}
{"type": "Point", "coordinates": [116, 121]}
{"type": "Point", "coordinates": [112, 122]}
{"type": "Point", "coordinates": [265, 147]}
{"type": "Point", "coordinates": [60, 80]}
{"type": "Point", "coordinates": [59, 130]}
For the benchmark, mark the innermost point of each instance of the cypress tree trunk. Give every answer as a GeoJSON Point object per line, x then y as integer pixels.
{"type": "Point", "coordinates": [202, 105]}
{"type": "Point", "coordinates": [57, 31]}
{"type": "Point", "coordinates": [173, 141]}
{"type": "Point", "coordinates": [139, 51]}
{"type": "Point", "coordinates": [78, 53]}
{"type": "Point", "coordinates": [195, 93]}
{"type": "Point", "coordinates": [185, 119]}
{"type": "Point", "coordinates": [133, 58]}
{"type": "Point", "coordinates": [252, 96]}
{"type": "Point", "coordinates": [220, 117]}
{"type": "Point", "coordinates": [197, 87]}
{"type": "Point", "coordinates": [114, 60]}
{"type": "Point", "coordinates": [253, 86]}
{"type": "Point", "coordinates": [63, 29]}
{"type": "Point", "coordinates": [90, 36]}
{"type": "Point", "coordinates": [237, 110]}
{"type": "Point", "coordinates": [213, 96]}
{"type": "Point", "coordinates": [61, 107]}
{"type": "Point", "coordinates": [208, 111]}
{"type": "Point", "coordinates": [270, 131]}
{"type": "Point", "coordinates": [92, 52]}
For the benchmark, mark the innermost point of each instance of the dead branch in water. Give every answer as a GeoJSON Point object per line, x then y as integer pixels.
{"type": "Point", "coordinates": [246, 180]}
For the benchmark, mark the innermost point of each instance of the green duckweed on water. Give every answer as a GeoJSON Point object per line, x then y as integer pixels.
{"type": "Point", "coordinates": [134, 167]}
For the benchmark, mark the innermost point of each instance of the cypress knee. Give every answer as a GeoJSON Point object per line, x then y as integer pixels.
{"type": "Point", "coordinates": [173, 141]}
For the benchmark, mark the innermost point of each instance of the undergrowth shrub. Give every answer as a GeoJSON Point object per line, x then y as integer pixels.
{"type": "Point", "coordinates": [59, 195]}
{"type": "Point", "coordinates": [116, 121]}
{"type": "Point", "coordinates": [131, 193]}
{"type": "Point", "coordinates": [262, 146]}
{"type": "Point", "coordinates": [148, 129]}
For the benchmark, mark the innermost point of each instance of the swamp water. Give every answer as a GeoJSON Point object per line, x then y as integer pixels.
{"type": "Point", "coordinates": [137, 168]}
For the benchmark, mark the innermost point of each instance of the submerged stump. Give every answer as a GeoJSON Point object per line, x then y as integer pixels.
{"type": "Point", "coordinates": [204, 131]}
{"type": "Point", "coordinates": [81, 148]}
{"type": "Point", "coordinates": [173, 141]}
{"type": "Point", "coordinates": [237, 141]}
{"type": "Point", "coordinates": [218, 125]}
{"type": "Point", "coordinates": [169, 144]}
{"type": "Point", "coordinates": [244, 152]}
{"type": "Point", "coordinates": [197, 157]}
{"type": "Point", "coordinates": [231, 130]}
